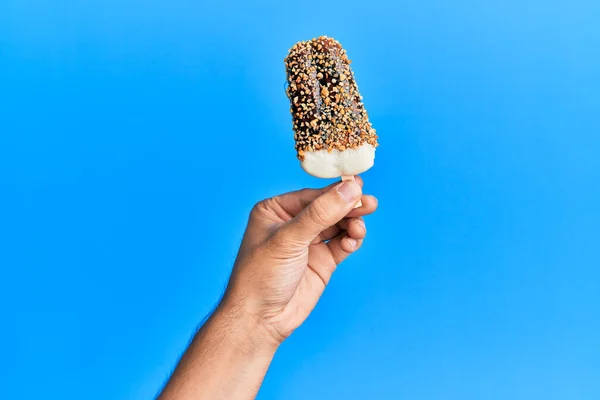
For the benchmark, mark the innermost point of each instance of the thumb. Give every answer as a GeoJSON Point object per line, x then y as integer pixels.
{"type": "Point", "coordinates": [324, 211]}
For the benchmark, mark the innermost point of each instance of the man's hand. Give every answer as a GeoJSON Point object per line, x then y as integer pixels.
{"type": "Point", "coordinates": [291, 247]}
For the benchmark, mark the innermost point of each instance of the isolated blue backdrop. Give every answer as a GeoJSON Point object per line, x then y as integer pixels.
{"type": "Point", "coordinates": [136, 135]}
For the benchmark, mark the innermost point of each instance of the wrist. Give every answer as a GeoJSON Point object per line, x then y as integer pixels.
{"type": "Point", "coordinates": [246, 330]}
{"type": "Point", "coordinates": [228, 358]}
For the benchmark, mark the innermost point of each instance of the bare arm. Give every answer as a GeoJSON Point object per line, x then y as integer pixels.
{"type": "Point", "coordinates": [227, 359]}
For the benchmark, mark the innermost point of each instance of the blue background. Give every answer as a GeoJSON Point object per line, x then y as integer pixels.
{"type": "Point", "coordinates": [136, 135]}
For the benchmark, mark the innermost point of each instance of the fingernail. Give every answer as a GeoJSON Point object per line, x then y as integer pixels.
{"type": "Point", "coordinates": [349, 191]}
{"type": "Point", "coordinates": [351, 241]}
{"type": "Point", "coordinates": [361, 223]}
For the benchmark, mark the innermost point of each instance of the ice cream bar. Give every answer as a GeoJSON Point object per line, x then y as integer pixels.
{"type": "Point", "coordinates": [331, 128]}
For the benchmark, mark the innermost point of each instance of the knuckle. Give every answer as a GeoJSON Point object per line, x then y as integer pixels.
{"type": "Point", "coordinates": [256, 209]}
{"type": "Point", "coordinates": [261, 207]}
{"type": "Point", "coordinates": [319, 213]}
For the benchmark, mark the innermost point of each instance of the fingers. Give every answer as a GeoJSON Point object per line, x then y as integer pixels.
{"type": "Point", "coordinates": [323, 212]}
{"type": "Point", "coordinates": [354, 226]}
{"type": "Point", "coordinates": [342, 246]}
{"type": "Point", "coordinates": [294, 202]}
{"type": "Point", "coordinates": [369, 205]}
{"type": "Point", "coordinates": [348, 242]}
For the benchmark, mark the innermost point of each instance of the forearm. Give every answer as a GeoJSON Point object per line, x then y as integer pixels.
{"type": "Point", "coordinates": [227, 359]}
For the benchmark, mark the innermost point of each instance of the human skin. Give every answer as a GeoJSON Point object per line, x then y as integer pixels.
{"type": "Point", "coordinates": [292, 245]}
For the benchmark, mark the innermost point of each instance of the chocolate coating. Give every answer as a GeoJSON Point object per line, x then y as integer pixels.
{"type": "Point", "coordinates": [327, 109]}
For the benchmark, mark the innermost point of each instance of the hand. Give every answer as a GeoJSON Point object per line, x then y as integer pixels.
{"type": "Point", "coordinates": [291, 247]}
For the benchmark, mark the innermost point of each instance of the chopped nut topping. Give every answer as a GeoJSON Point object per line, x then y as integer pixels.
{"type": "Point", "coordinates": [317, 69]}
